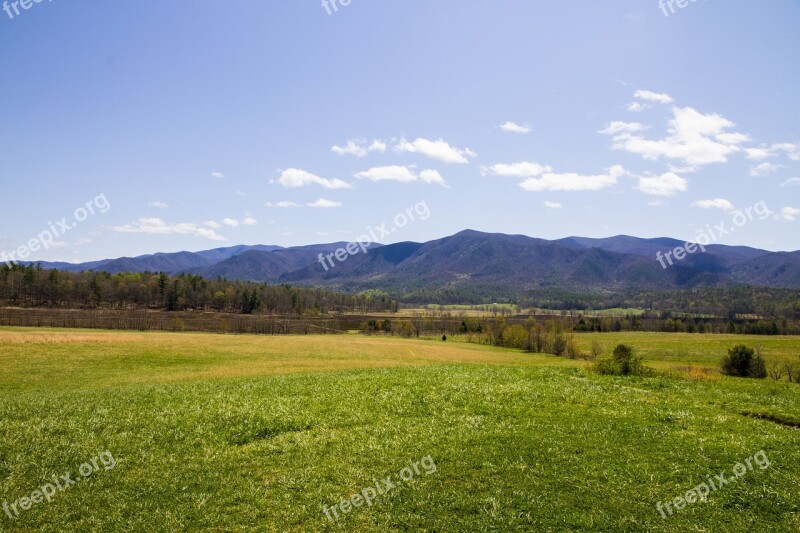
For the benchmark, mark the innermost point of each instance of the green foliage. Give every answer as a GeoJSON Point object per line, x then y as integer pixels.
{"type": "Point", "coordinates": [26, 286]}
{"type": "Point", "coordinates": [572, 349]}
{"type": "Point", "coordinates": [606, 366]}
{"type": "Point", "coordinates": [515, 336]}
{"type": "Point", "coordinates": [597, 349]}
{"type": "Point", "coordinates": [744, 362]}
{"type": "Point", "coordinates": [556, 342]}
{"type": "Point", "coordinates": [622, 363]}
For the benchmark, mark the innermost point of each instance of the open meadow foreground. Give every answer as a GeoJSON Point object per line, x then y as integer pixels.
{"type": "Point", "coordinates": [366, 266]}
{"type": "Point", "coordinates": [107, 431]}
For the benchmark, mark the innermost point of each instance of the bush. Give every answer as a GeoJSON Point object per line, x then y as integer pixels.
{"type": "Point", "coordinates": [559, 345]}
{"type": "Point", "coordinates": [622, 363]}
{"type": "Point", "coordinates": [573, 352]}
{"type": "Point", "coordinates": [776, 371]}
{"type": "Point", "coordinates": [606, 366]}
{"type": "Point", "coordinates": [628, 364]}
{"type": "Point", "coordinates": [597, 350]}
{"type": "Point", "coordinates": [515, 336]}
{"type": "Point", "coordinates": [744, 362]}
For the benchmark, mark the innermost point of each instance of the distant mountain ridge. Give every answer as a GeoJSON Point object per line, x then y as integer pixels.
{"type": "Point", "coordinates": [479, 263]}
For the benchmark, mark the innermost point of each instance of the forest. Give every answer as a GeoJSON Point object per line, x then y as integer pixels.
{"type": "Point", "coordinates": [32, 286]}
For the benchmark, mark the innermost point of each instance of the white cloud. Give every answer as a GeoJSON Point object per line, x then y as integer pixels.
{"type": "Point", "coordinates": [513, 127]}
{"type": "Point", "coordinates": [295, 177]}
{"type": "Point", "coordinates": [156, 226]}
{"type": "Point", "coordinates": [791, 181]}
{"type": "Point", "coordinates": [693, 138]}
{"type": "Point", "coordinates": [572, 181]}
{"type": "Point", "coordinates": [234, 223]}
{"type": "Point", "coordinates": [764, 168]}
{"type": "Point", "coordinates": [389, 173]}
{"type": "Point", "coordinates": [283, 204]}
{"type": "Point", "coordinates": [637, 107]}
{"type": "Point", "coordinates": [552, 205]}
{"type": "Point", "coordinates": [791, 150]}
{"type": "Point", "coordinates": [616, 127]}
{"type": "Point", "coordinates": [758, 154]}
{"type": "Point", "coordinates": [733, 138]}
{"type": "Point", "coordinates": [650, 96]}
{"type": "Point", "coordinates": [432, 176]}
{"type": "Point", "coordinates": [438, 150]}
{"type": "Point", "coordinates": [74, 244]}
{"type": "Point", "coordinates": [351, 148]}
{"type": "Point", "coordinates": [524, 169]}
{"type": "Point", "coordinates": [789, 213]}
{"type": "Point", "coordinates": [377, 146]}
{"type": "Point", "coordinates": [159, 205]}
{"type": "Point", "coordinates": [218, 175]}
{"type": "Point", "coordinates": [666, 184]}
{"type": "Point", "coordinates": [401, 174]}
{"type": "Point", "coordinates": [322, 203]}
{"type": "Point", "coordinates": [716, 203]}
{"type": "Point", "coordinates": [212, 224]}
{"type": "Point", "coordinates": [359, 147]}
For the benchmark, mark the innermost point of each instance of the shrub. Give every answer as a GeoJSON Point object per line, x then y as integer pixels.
{"type": "Point", "coordinates": [557, 342]}
{"type": "Point", "coordinates": [776, 371]}
{"type": "Point", "coordinates": [628, 364]}
{"type": "Point", "coordinates": [621, 363]}
{"type": "Point", "coordinates": [792, 371]}
{"type": "Point", "coordinates": [597, 350]}
{"type": "Point", "coordinates": [515, 336]}
{"type": "Point", "coordinates": [573, 352]}
{"type": "Point", "coordinates": [606, 366]}
{"type": "Point", "coordinates": [744, 362]}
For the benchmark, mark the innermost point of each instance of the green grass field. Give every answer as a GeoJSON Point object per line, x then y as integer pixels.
{"type": "Point", "coordinates": [244, 433]}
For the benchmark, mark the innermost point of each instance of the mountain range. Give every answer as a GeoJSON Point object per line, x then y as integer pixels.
{"type": "Point", "coordinates": [482, 265]}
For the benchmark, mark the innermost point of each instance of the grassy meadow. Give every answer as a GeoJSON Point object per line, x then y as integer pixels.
{"type": "Point", "coordinates": [252, 433]}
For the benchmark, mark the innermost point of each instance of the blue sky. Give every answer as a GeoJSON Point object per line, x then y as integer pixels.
{"type": "Point", "coordinates": [205, 124]}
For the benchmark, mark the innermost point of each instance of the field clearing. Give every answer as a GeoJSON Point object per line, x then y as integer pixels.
{"type": "Point", "coordinates": [81, 359]}
{"type": "Point", "coordinates": [243, 433]}
{"type": "Point", "coordinates": [673, 350]}
{"type": "Point", "coordinates": [488, 310]}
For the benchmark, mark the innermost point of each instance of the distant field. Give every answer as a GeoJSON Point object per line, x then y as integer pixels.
{"type": "Point", "coordinates": [616, 311]}
{"type": "Point", "coordinates": [491, 309]}
{"type": "Point", "coordinates": [243, 433]}
{"type": "Point", "coordinates": [670, 350]}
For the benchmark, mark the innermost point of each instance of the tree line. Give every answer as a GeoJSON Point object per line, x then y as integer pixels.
{"type": "Point", "coordinates": [33, 286]}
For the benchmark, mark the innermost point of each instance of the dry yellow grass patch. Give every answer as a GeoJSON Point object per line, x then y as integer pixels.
{"type": "Point", "coordinates": [53, 337]}
{"type": "Point", "coordinates": [81, 359]}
